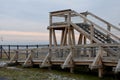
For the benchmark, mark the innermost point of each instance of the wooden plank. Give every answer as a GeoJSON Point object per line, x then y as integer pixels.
{"type": "Point", "coordinates": [57, 27]}
{"type": "Point", "coordinates": [61, 12]}
{"type": "Point", "coordinates": [66, 10]}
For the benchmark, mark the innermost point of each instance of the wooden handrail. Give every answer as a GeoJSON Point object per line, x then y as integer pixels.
{"type": "Point", "coordinates": [108, 32]}
{"type": "Point", "coordinates": [103, 21]}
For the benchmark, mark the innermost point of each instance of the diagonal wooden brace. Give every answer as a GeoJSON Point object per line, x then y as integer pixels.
{"type": "Point", "coordinates": [46, 61]}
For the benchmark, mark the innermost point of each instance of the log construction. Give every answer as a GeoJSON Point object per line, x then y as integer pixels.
{"type": "Point", "coordinates": [76, 40]}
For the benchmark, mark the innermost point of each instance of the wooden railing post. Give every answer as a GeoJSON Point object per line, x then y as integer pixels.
{"type": "Point", "coordinates": [27, 51]}
{"type": "Point", "coordinates": [100, 69]}
{"type": "Point", "coordinates": [9, 56]}
{"type": "Point", "coordinates": [37, 51]}
{"type": "Point", "coordinates": [91, 33]}
{"type": "Point", "coordinates": [1, 51]}
{"type": "Point", "coordinates": [17, 53]}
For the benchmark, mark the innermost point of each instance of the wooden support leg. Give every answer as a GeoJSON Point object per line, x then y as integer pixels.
{"type": "Point", "coordinates": [100, 72]}
{"type": "Point", "coordinates": [80, 39]}
{"type": "Point", "coordinates": [72, 70]}
{"type": "Point", "coordinates": [62, 36]}
{"type": "Point", "coordinates": [54, 37]}
{"type": "Point", "coordinates": [49, 68]}
{"type": "Point", "coordinates": [0, 51]}
{"type": "Point", "coordinates": [73, 37]}
{"type": "Point", "coordinates": [69, 37]}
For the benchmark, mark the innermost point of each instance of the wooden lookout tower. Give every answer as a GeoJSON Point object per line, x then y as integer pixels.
{"type": "Point", "coordinates": [75, 40]}
{"type": "Point", "coordinates": [82, 41]}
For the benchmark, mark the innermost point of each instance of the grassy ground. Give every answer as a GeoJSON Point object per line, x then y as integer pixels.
{"type": "Point", "coordinates": [45, 74]}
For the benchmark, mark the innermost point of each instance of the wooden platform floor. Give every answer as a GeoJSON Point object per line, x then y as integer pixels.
{"type": "Point", "coordinates": [88, 61]}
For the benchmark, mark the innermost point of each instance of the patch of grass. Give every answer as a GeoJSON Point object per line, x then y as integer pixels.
{"type": "Point", "coordinates": [45, 74]}
{"type": "Point", "coordinates": [25, 74]}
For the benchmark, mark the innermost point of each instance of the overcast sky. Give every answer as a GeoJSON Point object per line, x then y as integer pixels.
{"type": "Point", "coordinates": [27, 20]}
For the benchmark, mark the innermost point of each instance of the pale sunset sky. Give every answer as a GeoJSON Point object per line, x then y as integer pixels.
{"type": "Point", "coordinates": [26, 21]}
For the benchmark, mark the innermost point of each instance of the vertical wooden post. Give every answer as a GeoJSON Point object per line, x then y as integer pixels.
{"type": "Point", "coordinates": [85, 40]}
{"type": "Point", "coordinates": [100, 72]}
{"type": "Point", "coordinates": [1, 51]}
{"type": "Point", "coordinates": [92, 53]}
{"type": "Point", "coordinates": [71, 61]}
{"type": "Point", "coordinates": [69, 19]}
{"type": "Point", "coordinates": [17, 56]}
{"type": "Point", "coordinates": [9, 52]}
{"type": "Point", "coordinates": [66, 18]}
{"type": "Point", "coordinates": [80, 39]}
{"type": "Point", "coordinates": [69, 29]}
{"type": "Point", "coordinates": [91, 33]}
{"type": "Point", "coordinates": [50, 20]}
{"type": "Point", "coordinates": [62, 36]}
{"type": "Point", "coordinates": [54, 37]}
{"type": "Point", "coordinates": [50, 31]}
{"type": "Point", "coordinates": [100, 69]}
{"type": "Point", "coordinates": [85, 14]}
{"type": "Point", "coordinates": [37, 50]}
{"type": "Point", "coordinates": [71, 40]}
{"type": "Point", "coordinates": [50, 42]}
{"type": "Point", "coordinates": [65, 40]}
{"type": "Point", "coordinates": [109, 27]}
{"type": "Point", "coordinates": [73, 37]}
{"type": "Point", "coordinates": [69, 36]}
{"type": "Point", "coordinates": [108, 35]}
{"type": "Point", "coordinates": [27, 51]}
{"type": "Point", "coordinates": [50, 39]}
{"type": "Point", "coordinates": [71, 69]}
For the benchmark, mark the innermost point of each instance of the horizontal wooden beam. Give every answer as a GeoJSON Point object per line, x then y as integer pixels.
{"type": "Point", "coordinates": [59, 27]}
{"type": "Point", "coordinates": [60, 12]}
